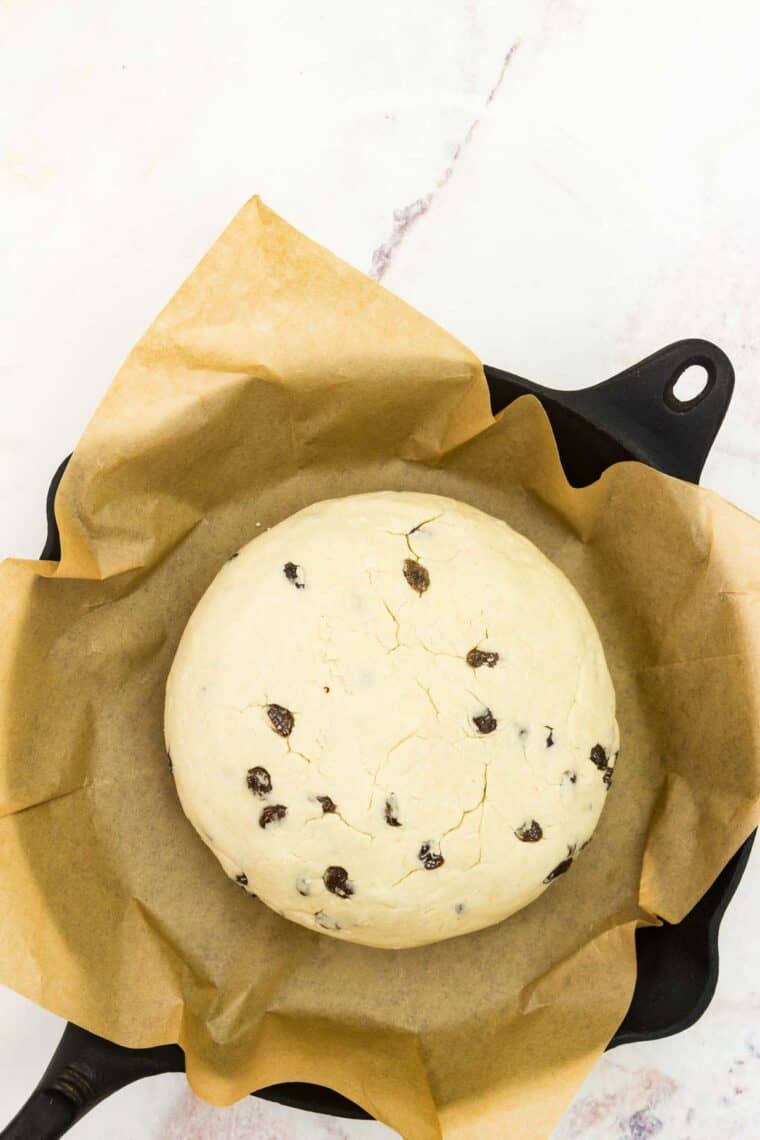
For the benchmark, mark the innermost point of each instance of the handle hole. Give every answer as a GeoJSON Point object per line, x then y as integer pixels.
{"type": "Point", "coordinates": [690, 385]}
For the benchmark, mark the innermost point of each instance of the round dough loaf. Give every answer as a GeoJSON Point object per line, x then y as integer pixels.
{"type": "Point", "coordinates": [390, 717]}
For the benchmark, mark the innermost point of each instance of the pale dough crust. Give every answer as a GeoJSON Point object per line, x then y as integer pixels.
{"type": "Point", "coordinates": [329, 658]}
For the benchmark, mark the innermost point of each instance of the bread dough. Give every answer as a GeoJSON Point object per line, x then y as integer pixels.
{"type": "Point", "coordinates": [391, 719]}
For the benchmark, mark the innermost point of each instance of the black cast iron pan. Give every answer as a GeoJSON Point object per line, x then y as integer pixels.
{"type": "Point", "coordinates": [635, 415]}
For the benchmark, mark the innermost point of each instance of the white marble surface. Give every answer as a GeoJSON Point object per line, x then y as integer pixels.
{"type": "Point", "coordinates": [566, 184]}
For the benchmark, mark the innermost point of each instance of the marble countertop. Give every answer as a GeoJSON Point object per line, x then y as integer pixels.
{"type": "Point", "coordinates": [567, 185]}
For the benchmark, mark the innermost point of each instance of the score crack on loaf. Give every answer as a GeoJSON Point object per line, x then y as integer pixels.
{"type": "Point", "coordinates": [390, 717]}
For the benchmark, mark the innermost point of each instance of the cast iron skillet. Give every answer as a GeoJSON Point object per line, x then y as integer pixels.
{"type": "Point", "coordinates": [635, 415]}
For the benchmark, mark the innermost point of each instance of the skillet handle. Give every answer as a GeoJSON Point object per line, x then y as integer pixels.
{"type": "Point", "coordinates": [641, 408]}
{"type": "Point", "coordinates": [85, 1069]}
{"type": "Point", "coordinates": [636, 414]}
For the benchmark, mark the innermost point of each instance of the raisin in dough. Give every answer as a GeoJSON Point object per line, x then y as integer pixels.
{"type": "Point", "coordinates": [390, 717]}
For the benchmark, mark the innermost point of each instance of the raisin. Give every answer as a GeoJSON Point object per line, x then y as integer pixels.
{"type": "Point", "coordinates": [607, 777]}
{"type": "Point", "coordinates": [259, 781]}
{"type": "Point", "coordinates": [169, 762]}
{"type": "Point", "coordinates": [272, 814]}
{"type": "Point", "coordinates": [391, 812]}
{"type": "Point", "coordinates": [550, 737]}
{"type": "Point", "coordinates": [242, 878]}
{"type": "Point", "coordinates": [327, 804]}
{"type": "Point", "coordinates": [326, 921]}
{"type": "Point", "coordinates": [599, 757]}
{"type": "Point", "coordinates": [430, 859]}
{"type": "Point", "coordinates": [282, 719]}
{"type": "Point", "coordinates": [486, 722]}
{"type": "Point", "coordinates": [530, 832]}
{"type": "Point", "coordinates": [336, 880]}
{"type": "Point", "coordinates": [562, 867]}
{"type": "Point", "coordinates": [416, 575]}
{"type": "Point", "coordinates": [478, 657]}
{"type": "Point", "coordinates": [290, 570]}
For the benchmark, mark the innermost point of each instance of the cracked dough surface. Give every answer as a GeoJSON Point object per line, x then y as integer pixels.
{"type": "Point", "coordinates": [323, 662]}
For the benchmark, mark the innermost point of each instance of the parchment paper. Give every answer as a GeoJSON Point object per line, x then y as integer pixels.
{"type": "Point", "coordinates": [278, 376]}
